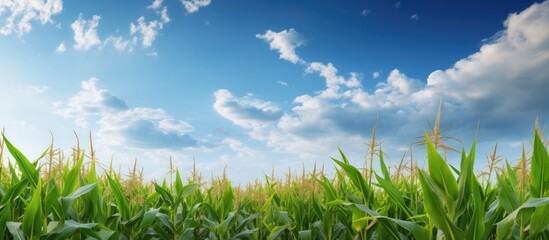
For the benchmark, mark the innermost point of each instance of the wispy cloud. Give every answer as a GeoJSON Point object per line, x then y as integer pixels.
{"type": "Point", "coordinates": [248, 111]}
{"type": "Point", "coordinates": [124, 126]}
{"type": "Point", "coordinates": [366, 12]}
{"type": "Point", "coordinates": [415, 17]}
{"type": "Point", "coordinates": [37, 89]}
{"type": "Point", "coordinates": [285, 42]}
{"type": "Point", "coordinates": [282, 83]}
{"type": "Point", "coordinates": [18, 14]}
{"type": "Point", "coordinates": [61, 48]}
{"type": "Point", "coordinates": [375, 75]}
{"type": "Point", "coordinates": [85, 33]}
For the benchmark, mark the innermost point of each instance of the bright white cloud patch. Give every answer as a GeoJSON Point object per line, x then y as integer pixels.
{"type": "Point", "coordinates": [120, 125]}
{"type": "Point", "coordinates": [147, 31]}
{"type": "Point", "coordinates": [18, 14]}
{"type": "Point", "coordinates": [194, 5]}
{"type": "Point", "coordinates": [85, 33]}
{"type": "Point", "coordinates": [285, 42]}
{"type": "Point", "coordinates": [61, 48]}
{"type": "Point", "coordinates": [375, 75]}
{"type": "Point", "coordinates": [503, 84]}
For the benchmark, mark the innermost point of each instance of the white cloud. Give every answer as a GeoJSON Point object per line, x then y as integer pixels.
{"type": "Point", "coordinates": [503, 85]}
{"type": "Point", "coordinates": [243, 152]}
{"type": "Point", "coordinates": [415, 17]}
{"type": "Point", "coordinates": [122, 126]}
{"type": "Point", "coordinates": [21, 13]}
{"type": "Point", "coordinates": [194, 5]}
{"type": "Point", "coordinates": [506, 78]}
{"type": "Point", "coordinates": [37, 89]}
{"type": "Point", "coordinates": [155, 5]}
{"type": "Point", "coordinates": [152, 54]}
{"type": "Point", "coordinates": [397, 4]}
{"type": "Point", "coordinates": [172, 125]}
{"type": "Point", "coordinates": [164, 15]}
{"type": "Point", "coordinates": [366, 12]}
{"type": "Point", "coordinates": [375, 75]}
{"type": "Point", "coordinates": [61, 48]}
{"type": "Point", "coordinates": [85, 33]}
{"type": "Point", "coordinates": [121, 44]}
{"type": "Point", "coordinates": [282, 83]}
{"type": "Point", "coordinates": [285, 42]}
{"type": "Point", "coordinates": [146, 30]}
{"type": "Point", "coordinates": [90, 101]}
{"type": "Point", "coordinates": [248, 111]}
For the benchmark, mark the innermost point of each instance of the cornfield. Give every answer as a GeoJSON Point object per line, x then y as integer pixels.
{"type": "Point", "coordinates": [66, 197]}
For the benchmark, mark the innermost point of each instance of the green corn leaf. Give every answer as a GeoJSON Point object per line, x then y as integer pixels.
{"type": "Point", "coordinates": [247, 220]}
{"type": "Point", "coordinates": [64, 230]}
{"type": "Point", "coordinates": [148, 218]}
{"type": "Point", "coordinates": [306, 235]}
{"type": "Point", "coordinates": [384, 171]}
{"type": "Point", "coordinates": [394, 194]}
{"type": "Point", "coordinates": [14, 191]}
{"type": "Point", "coordinates": [33, 217]}
{"type": "Point", "coordinates": [476, 228]}
{"type": "Point", "coordinates": [318, 230]}
{"type": "Point", "coordinates": [540, 169]}
{"type": "Point", "coordinates": [27, 168]}
{"type": "Point", "coordinates": [15, 230]}
{"type": "Point", "coordinates": [5, 217]}
{"type": "Point", "coordinates": [506, 226]}
{"type": "Point", "coordinates": [189, 189]}
{"type": "Point", "coordinates": [178, 183]}
{"type": "Point", "coordinates": [71, 179]}
{"type": "Point", "coordinates": [245, 234]}
{"type": "Point", "coordinates": [165, 194]}
{"type": "Point", "coordinates": [224, 226]}
{"type": "Point", "coordinates": [66, 202]}
{"type": "Point", "coordinates": [435, 210]}
{"type": "Point", "coordinates": [355, 176]}
{"type": "Point", "coordinates": [121, 202]}
{"type": "Point", "coordinates": [440, 171]}
{"type": "Point", "coordinates": [165, 220]}
{"type": "Point", "coordinates": [507, 197]}
{"type": "Point", "coordinates": [277, 232]}
{"type": "Point", "coordinates": [539, 185]}
{"type": "Point", "coordinates": [416, 230]}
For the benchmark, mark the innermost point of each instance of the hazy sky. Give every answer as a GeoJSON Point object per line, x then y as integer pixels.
{"type": "Point", "coordinates": [256, 84]}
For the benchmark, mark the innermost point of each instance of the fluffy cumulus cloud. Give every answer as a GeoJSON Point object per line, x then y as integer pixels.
{"type": "Point", "coordinates": [121, 125]}
{"type": "Point", "coordinates": [194, 5]}
{"type": "Point", "coordinates": [18, 14]}
{"type": "Point", "coordinates": [85, 33]}
{"type": "Point", "coordinates": [503, 85]}
{"type": "Point", "coordinates": [285, 42]}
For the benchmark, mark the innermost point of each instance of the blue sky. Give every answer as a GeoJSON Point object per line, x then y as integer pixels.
{"type": "Point", "coordinates": [253, 85]}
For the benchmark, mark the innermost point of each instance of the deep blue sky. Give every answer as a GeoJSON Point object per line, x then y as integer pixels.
{"type": "Point", "coordinates": [252, 84]}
